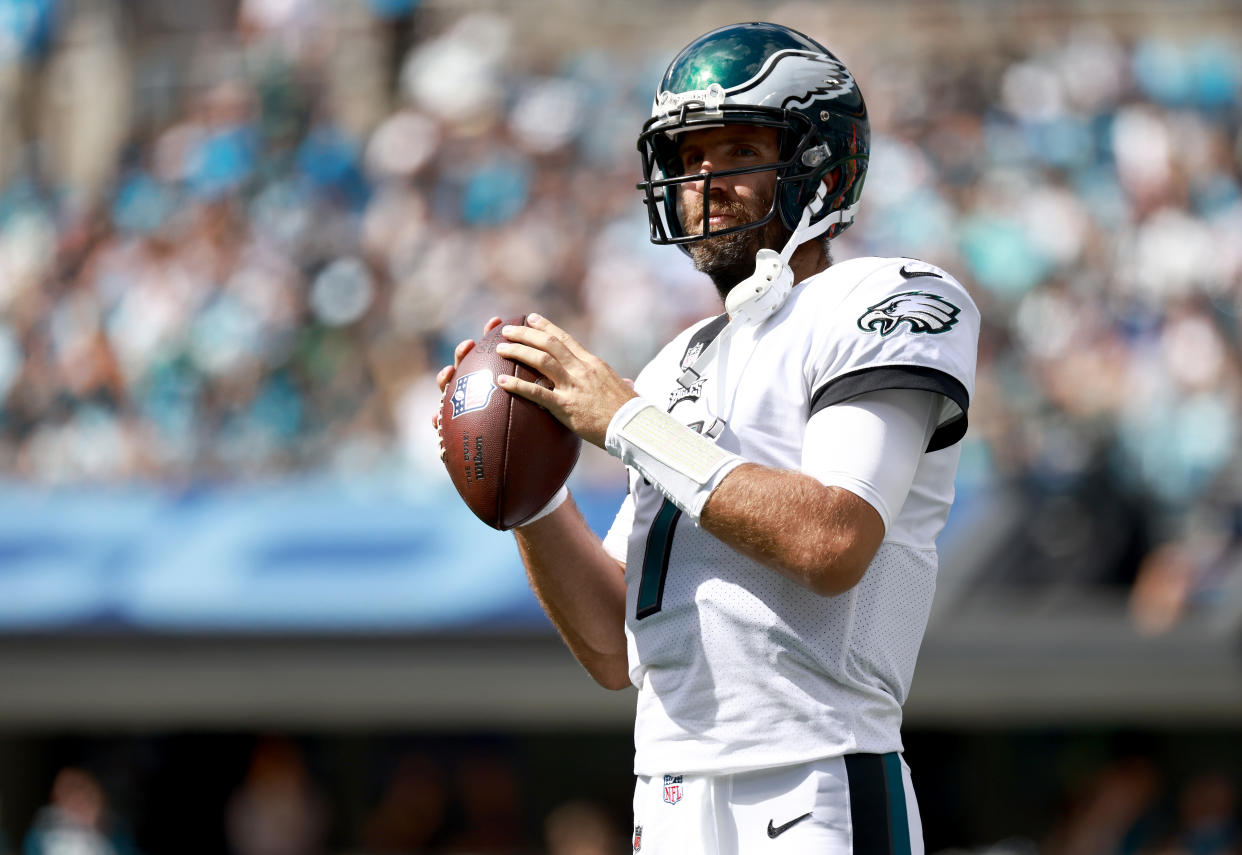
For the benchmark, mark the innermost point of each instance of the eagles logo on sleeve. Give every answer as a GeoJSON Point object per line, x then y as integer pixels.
{"type": "Point", "coordinates": [924, 312]}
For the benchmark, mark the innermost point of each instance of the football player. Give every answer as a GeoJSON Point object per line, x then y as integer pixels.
{"type": "Point", "coordinates": [767, 581]}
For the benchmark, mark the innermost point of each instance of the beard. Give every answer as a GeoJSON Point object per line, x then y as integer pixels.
{"type": "Point", "coordinates": [729, 259]}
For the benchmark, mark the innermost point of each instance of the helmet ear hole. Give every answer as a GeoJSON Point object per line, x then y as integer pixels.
{"type": "Point", "coordinates": [832, 181]}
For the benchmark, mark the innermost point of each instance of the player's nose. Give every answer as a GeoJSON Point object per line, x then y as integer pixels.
{"type": "Point", "coordinates": [705, 185]}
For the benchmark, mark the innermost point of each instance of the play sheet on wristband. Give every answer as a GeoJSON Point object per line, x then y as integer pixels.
{"type": "Point", "coordinates": [673, 444]}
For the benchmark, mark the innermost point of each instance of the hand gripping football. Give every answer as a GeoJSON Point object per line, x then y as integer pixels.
{"type": "Point", "coordinates": [507, 456]}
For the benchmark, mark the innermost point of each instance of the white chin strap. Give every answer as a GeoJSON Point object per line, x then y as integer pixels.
{"type": "Point", "coordinates": [757, 297]}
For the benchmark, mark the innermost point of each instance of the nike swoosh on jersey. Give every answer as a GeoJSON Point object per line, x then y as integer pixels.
{"type": "Point", "coordinates": [777, 830]}
{"type": "Point", "coordinates": [915, 274]}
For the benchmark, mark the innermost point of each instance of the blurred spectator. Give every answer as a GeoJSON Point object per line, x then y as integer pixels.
{"type": "Point", "coordinates": [28, 29]}
{"type": "Point", "coordinates": [488, 797]}
{"type": "Point", "coordinates": [1126, 810]}
{"type": "Point", "coordinates": [76, 821]}
{"type": "Point", "coordinates": [277, 810]}
{"type": "Point", "coordinates": [1117, 814]}
{"type": "Point", "coordinates": [581, 828]}
{"type": "Point", "coordinates": [1208, 820]}
{"type": "Point", "coordinates": [411, 813]}
{"type": "Point", "coordinates": [86, 109]}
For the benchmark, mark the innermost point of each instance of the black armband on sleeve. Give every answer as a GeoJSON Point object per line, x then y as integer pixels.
{"type": "Point", "coordinates": [851, 385]}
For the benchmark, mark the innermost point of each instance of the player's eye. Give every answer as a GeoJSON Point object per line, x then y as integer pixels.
{"type": "Point", "coordinates": [691, 159]}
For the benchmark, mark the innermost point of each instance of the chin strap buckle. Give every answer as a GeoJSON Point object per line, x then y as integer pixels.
{"type": "Point", "coordinates": [757, 297]}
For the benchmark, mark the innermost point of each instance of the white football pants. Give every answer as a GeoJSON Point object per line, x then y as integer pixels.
{"type": "Point", "coordinates": [859, 804]}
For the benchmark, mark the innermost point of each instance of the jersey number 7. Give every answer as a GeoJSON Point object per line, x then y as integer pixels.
{"type": "Point", "coordinates": [655, 560]}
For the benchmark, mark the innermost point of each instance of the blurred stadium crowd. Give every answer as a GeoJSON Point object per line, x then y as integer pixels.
{"type": "Point", "coordinates": [421, 802]}
{"type": "Point", "coordinates": [240, 250]}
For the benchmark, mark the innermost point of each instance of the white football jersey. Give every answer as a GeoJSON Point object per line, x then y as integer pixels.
{"type": "Point", "coordinates": [738, 667]}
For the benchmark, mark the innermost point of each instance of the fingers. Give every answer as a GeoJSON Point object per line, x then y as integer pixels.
{"type": "Point", "coordinates": [545, 363]}
{"type": "Point", "coordinates": [435, 423]}
{"type": "Point", "coordinates": [525, 389]}
{"type": "Point", "coordinates": [459, 353]}
{"type": "Point", "coordinates": [445, 374]}
{"type": "Point", "coordinates": [541, 334]}
{"type": "Point", "coordinates": [442, 378]}
{"type": "Point", "coordinates": [542, 346]}
{"type": "Point", "coordinates": [556, 334]}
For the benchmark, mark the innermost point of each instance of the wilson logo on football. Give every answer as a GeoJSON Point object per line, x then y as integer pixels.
{"type": "Point", "coordinates": [472, 392]}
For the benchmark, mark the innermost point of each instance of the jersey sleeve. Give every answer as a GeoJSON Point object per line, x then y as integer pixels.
{"type": "Point", "coordinates": [905, 325]}
{"type": "Point", "coordinates": [871, 445]}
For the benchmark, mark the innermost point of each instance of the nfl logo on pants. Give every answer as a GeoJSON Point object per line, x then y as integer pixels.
{"type": "Point", "coordinates": [672, 789]}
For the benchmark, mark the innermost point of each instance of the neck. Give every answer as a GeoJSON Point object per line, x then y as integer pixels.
{"type": "Point", "coordinates": [809, 259]}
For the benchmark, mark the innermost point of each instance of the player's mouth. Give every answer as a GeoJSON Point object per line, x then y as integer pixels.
{"type": "Point", "coordinates": [717, 222]}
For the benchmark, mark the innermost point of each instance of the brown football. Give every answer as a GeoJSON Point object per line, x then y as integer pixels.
{"type": "Point", "coordinates": [507, 456]}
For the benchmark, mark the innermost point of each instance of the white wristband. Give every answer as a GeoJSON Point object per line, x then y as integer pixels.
{"type": "Point", "coordinates": [553, 503]}
{"type": "Point", "coordinates": [678, 462]}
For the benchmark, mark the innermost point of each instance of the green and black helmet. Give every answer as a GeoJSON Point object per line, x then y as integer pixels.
{"type": "Point", "coordinates": [772, 76]}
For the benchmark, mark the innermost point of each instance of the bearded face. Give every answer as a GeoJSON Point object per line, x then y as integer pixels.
{"type": "Point", "coordinates": [730, 258]}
